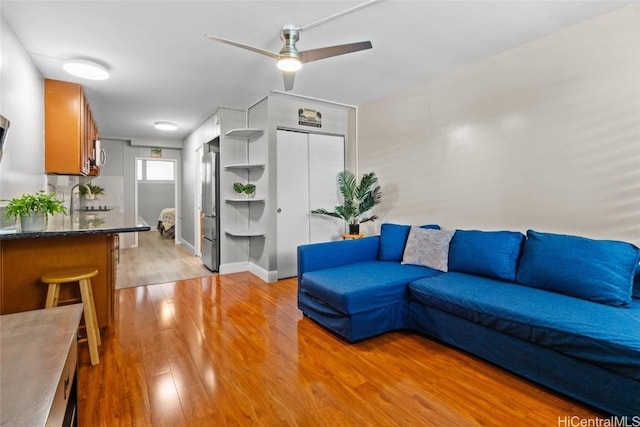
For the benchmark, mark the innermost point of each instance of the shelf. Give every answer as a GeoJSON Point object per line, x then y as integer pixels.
{"type": "Point", "coordinates": [245, 233]}
{"type": "Point", "coordinates": [244, 199]}
{"type": "Point", "coordinates": [244, 133]}
{"type": "Point", "coordinates": [245, 166]}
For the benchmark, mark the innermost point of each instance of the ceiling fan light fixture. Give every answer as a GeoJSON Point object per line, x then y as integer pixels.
{"type": "Point", "coordinates": [168, 126]}
{"type": "Point", "coordinates": [86, 69]}
{"type": "Point", "coordinates": [289, 64]}
{"type": "Point", "coordinates": [289, 57]}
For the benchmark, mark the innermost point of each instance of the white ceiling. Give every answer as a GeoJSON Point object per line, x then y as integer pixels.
{"type": "Point", "coordinates": [163, 68]}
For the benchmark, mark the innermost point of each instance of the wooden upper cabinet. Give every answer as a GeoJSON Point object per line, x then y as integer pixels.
{"type": "Point", "coordinates": [69, 130]}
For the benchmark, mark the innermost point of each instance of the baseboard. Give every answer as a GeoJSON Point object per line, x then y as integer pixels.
{"type": "Point", "coordinates": [239, 267]}
{"type": "Point", "coordinates": [267, 276]}
{"type": "Point", "coordinates": [233, 267]}
{"type": "Point", "coordinates": [187, 245]}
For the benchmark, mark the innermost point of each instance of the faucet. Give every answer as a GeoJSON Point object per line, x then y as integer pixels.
{"type": "Point", "coordinates": [71, 195]}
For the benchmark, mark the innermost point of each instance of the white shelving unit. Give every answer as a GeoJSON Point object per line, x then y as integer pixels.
{"type": "Point", "coordinates": [245, 233]}
{"type": "Point", "coordinates": [244, 199]}
{"type": "Point", "coordinates": [244, 136]}
{"type": "Point", "coordinates": [245, 166]}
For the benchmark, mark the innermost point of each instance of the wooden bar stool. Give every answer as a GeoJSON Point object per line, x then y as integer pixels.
{"type": "Point", "coordinates": [83, 277]}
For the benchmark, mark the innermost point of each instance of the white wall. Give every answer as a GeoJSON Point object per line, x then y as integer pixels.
{"type": "Point", "coordinates": [545, 136]}
{"type": "Point", "coordinates": [22, 102]}
{"type": "Point", "coordinates": [280, 111]}
{"type": "Point", "coordinates": [204, 133]}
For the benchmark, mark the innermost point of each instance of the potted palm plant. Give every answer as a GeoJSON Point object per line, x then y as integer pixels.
{"type": "Point", "coordinates": [33, 210]}
{"type": "Point", "coordinates": [359, 198]}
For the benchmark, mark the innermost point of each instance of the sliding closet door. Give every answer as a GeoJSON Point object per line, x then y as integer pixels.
{"type": "Point", "coordinates": [326, 159]}
{"type": "Point", "coordinates": [306, 173]}
{"type": "Point", "coordinates": [293, 199]}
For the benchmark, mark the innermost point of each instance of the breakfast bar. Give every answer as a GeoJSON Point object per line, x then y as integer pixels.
{"type": "Point", "coordinates": [78, 240]}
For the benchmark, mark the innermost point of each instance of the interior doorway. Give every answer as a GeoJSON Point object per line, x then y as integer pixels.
{"type": "Point", "coordinates": [156, 193]}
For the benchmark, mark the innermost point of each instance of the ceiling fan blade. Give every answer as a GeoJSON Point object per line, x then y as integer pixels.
{"type": "Point", "coordinates": [288, 77]}
{"type": "Point", "coordinates": [327, 52]}
{"type": "Point", "coordinates": [243, 46]}
{"type": "Point", "coordinates": [336, 15]}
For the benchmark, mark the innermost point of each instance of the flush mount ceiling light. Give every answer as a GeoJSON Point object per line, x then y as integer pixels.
{"type": "Point", "coordinates": [166, 126]}
{"type": "Point", "coordinates": [86, 69]}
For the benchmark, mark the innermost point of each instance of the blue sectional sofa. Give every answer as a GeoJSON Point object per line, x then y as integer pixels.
{"type": "Point", "coordinates": [562, 311]}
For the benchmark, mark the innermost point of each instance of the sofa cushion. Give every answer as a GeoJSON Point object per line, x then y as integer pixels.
{"type": "Point", "coordinates": [393, 238]}
{"type": "Point", "coordinates": [429, 248]}
{"type": "Point", "coordinates": [487, 253]}
{"type": "Point", "coordinates": [596, 270]}
{"type": "Point", "coordinates": [357, 287]}
{"type": "Point", "coordinates": [597, 333]}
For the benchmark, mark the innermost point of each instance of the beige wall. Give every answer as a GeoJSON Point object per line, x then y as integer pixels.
{"type": "Point", "coordinates": [545, 136]}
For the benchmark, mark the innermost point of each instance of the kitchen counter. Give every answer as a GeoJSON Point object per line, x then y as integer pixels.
{"type": "Point", "coordinates": [38, 365]}
{"type": "Point", "coordinates": [80, 223]}
{"type": "Point", "coordinates": [84, 239]}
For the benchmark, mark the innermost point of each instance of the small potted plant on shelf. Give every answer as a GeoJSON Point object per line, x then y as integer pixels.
{"type": "Point", "coordinates": [90, 191]}
{"type": "Point", "coordinates": [248, 189]}
{"type": "Point", "coordinates": [33, 210]}
{"type": "Point", "coordinates": [359, 199]}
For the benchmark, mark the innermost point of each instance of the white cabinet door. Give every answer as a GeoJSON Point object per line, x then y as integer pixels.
{"type": "Point", "coordinates": [326, 159]}
{"type": "Point", "coordinates": [293, 199]}
{"type": "Point", "coordinates": [306, 173]}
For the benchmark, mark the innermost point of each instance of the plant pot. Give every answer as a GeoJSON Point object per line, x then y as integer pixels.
{"type": "Point", "coordinates": [34, 222]}
{"type": "Point", "coordinates": [354, 228]}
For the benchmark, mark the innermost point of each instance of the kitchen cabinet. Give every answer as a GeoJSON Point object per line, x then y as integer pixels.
{"type": "Point", "coordinates": [24, 261]}
{"type": "Point", "coordinates": [69, 241]}
{"type": "Point", "coordinates": [70, 130]}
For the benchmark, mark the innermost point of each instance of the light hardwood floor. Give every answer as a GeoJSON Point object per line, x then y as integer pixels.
{"type": "Point", "coordinates": [157, 260]}
{"type": "Point", "coordinates": [233, 350]}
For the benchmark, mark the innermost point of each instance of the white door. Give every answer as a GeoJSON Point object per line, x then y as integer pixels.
{"type": "Point", "coordinates": [326, 159]}
{"type": "Point", "coordinates": [293, 199]}
{"type": "Point", "coordinates": [306, 173]}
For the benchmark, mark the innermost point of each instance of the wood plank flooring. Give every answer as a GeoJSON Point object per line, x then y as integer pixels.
{"type": "Point", "coordinates": [157, 260]}
{"type": "Point", "coordinates": [233, 350]}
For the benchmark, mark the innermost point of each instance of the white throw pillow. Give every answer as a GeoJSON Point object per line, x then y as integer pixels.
{"type": "Point", "coordinates": [429, 248]}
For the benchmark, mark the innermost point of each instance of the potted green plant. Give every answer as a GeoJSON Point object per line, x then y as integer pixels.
{"type": "Point", "coordinates": [248, 189]}
{"type": "Point", "coordinates": [90, 191]}
{"type": "Point", "coordinates": [359, 198]}
{"type": "Point", "coordinates": [33, 210]}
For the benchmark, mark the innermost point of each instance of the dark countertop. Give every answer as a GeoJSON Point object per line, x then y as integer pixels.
{"type": "Point", "coordinates": [80, 223]}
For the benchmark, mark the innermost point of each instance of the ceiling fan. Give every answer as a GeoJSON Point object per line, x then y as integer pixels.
{"type": "Point", "coordinates": [290, 59]}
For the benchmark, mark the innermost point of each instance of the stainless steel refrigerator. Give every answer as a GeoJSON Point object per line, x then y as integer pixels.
{"type": "Point", "coordinates": [210, 243]}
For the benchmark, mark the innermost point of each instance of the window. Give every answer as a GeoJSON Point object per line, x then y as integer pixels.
{"type": "Point", "coordinates": [155, 170]}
